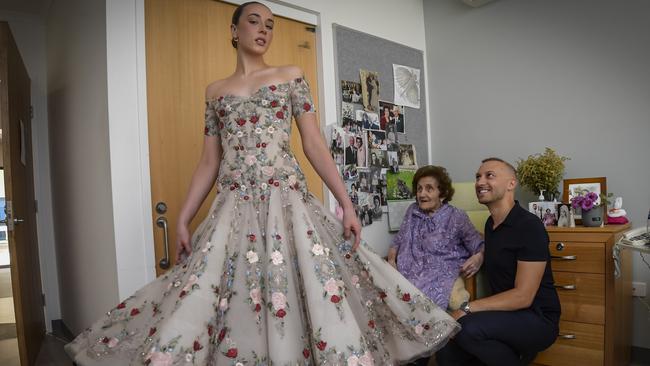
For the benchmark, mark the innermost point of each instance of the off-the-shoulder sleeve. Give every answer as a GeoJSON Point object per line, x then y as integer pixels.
{"type": "Point", "coordinates": [301, 101]}
{"type": "Point", "coordinates": [211, 120]}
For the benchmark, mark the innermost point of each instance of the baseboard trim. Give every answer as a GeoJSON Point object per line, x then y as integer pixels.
{"type": "Point", "coordinates": [640, 356]}
{"type": "Point", "coordinates": [59, 329]}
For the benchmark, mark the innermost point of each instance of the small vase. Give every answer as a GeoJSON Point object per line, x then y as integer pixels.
{"type": "Point", "coordinates": [593, 217]}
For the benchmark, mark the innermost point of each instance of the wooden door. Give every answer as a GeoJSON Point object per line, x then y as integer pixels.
{"type": "Point", "coordinates": [15, 121]}
{"type": "Point", "coordinates": [188, 47]}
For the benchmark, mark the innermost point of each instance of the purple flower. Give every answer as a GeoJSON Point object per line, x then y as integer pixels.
{"type": "Point", "coordinates": [576, 202]}
{"type": "Point", "coordinates": [587, 204]}
{"type": "Point", "coordinates": [592, 196]}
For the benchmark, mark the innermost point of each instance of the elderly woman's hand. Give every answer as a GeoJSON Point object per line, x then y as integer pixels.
{"type": "Point", "coordinates": [472, 265]}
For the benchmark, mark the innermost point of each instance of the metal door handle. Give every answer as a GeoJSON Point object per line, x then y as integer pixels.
{"type": "Point", "coordinates": [566, 287]}
{"type": "Point", "coordinates": [565, 257]}
{"type": "Point", "coordinates": [162, 222]}
{"type": "Point", "coordinates": [16, 221]}
{"type": "Point", "coordinates": [567, 336]}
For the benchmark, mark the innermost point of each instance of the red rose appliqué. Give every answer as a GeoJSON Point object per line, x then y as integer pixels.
{"type": "Point", "coordinates": [321, 345]}
{"type": "Point", "coordinates": [406, 297]}
{"type": "Point", "coordinates": [135, 311]}
{"type": "Point", "coordinates": [281, 313]}
{"type": "Point", "coordinates": [232, 353]}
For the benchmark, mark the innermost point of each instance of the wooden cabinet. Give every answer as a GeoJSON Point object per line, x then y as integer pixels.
{"type": "Point", "coordinates": [595, 327]}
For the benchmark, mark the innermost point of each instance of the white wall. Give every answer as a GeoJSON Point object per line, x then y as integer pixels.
{"type": "Point", "coordinates": [80, 166]}
{"type": "Point", "coordinates": [127, 110]}
{"type": "Point", "coordinates": [29, 32]}
{"type": "Point", "coordinates": [512, 77]}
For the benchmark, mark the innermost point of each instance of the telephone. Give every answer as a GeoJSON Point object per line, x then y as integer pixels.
{"type": "Point", "coordinates": [638, 237]}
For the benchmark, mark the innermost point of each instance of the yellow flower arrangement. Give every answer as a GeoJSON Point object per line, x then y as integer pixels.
{"type": "Point", "coordinates": [541, 171]}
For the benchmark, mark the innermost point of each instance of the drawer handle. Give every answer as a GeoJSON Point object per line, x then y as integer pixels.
{"type": "Point", "coordinates": [566, 287]}
{"type": "Point", "coordinates": [567, 336]}
{"type": "Point", "coordinates": [565, 257]}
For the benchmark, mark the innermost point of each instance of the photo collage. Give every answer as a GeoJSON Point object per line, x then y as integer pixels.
{"type": "Point", "coordinates": [366, 147]}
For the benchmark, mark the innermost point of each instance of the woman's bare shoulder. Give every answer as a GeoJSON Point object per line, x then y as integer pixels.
{"type": "Point", "coordinates": [290, 72]}
{"type": "Point", "coordinates": [214, 89]}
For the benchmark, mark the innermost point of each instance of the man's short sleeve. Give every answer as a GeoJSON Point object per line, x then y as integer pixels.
{"type": "Point", "coordinates": [534, 241]}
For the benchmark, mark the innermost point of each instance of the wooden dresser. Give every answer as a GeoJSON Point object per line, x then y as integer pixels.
{"type": "Point", "coordinates": [595, 327]}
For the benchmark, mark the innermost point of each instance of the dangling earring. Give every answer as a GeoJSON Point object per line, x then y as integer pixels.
{"type": "Point", "coordinates": [236, 39]}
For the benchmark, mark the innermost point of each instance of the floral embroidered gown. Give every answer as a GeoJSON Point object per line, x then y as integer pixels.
{"type": "Point", "coordinates": [270, 281]}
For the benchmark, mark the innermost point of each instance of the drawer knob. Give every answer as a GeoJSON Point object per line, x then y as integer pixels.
{"type": "Point", "coordinates": [567, 336]}
{"type": "Point", "coordinates": [559, 246]}
{"type": "Point", "coordinates": [566, 287]}
{"type": "Point", "coordinates": [565, 257]}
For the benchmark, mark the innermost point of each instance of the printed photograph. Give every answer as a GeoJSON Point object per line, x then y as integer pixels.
{"type": "Point", "coordinates": [352, 188]}
{"type": "Point", "coordinates": [369, 121]}
{"type": "Point", "coordinates": [378, 158]}
{"type": "Point", "coordinates": [351, 92]}
{"type": "Point", "coordinates": [350, 147]}
{"type": "Point", "coordinates": [563, 214]}
{"type": "Point", "coordinates": [392, 142]}
{"type": "Point", "coordinates": [364, 181]}
{"type": "Point", "coordinates": [361, 142]}
{"type": "Point", "coordinates": [407, 156]}
{"type": "Point", "coordinates": [546, 211]}
{"type": "Point", "coordinates": [364, 209]}
{"type": "Point", "coordinates": [370, 90]}
{"type": "Point", "coordinates": [393, 161]}
{"type": "Point", "coordinates": [351, 125]}
{"type": "Point", "coordinates": [385, 114]}
{"type": "Point", "coordinates": [398, 185]}
{"type": "Point", "coordinates": [398, 118]}
{"type": "Point", "coordinates": [350, 173]}
{"type": "Point", "coordinates": [377, 139]}
{"type": "Point", "coordinates": [347, 110]}
{"type": "Point", "coordinates": [336, 145]}
{"type": "Point", "coordinates": [377, 210]}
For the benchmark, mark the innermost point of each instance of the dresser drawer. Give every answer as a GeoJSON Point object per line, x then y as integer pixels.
{"type": "Point", "coordinates": [582, 296]}
{"type": "Point", "coordinates": [577, 257]}
{"type": "Point", "coordinates": [578, 344]}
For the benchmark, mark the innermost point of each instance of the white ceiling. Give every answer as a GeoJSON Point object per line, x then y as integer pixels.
{"type": "Point", "coordinates": [25, 6]}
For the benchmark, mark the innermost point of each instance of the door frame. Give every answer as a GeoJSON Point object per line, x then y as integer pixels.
{"type": "Point", "coordinates": [129, 139]}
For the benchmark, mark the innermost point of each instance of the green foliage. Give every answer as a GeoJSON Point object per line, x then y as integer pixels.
{"type": "Point", "coordinates": [541, 171]}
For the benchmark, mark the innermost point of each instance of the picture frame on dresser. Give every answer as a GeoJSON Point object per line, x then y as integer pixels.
{"type": "Point", "coordinates": [577, 186]}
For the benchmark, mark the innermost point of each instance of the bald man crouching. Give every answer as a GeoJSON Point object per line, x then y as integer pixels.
{"type": "Point", "coordinates": [521, 318]}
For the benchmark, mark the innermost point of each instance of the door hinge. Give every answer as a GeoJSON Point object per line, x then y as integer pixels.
{"type": "Point", "coordinates": [311, 29]}
{"type": "Point", "coordinates": [43, 298]}
{"type": "Point", "coordinates": [31, 112]}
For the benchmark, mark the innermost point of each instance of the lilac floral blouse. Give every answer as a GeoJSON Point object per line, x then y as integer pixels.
{"type": "Point", "coordinates": [431, 249]}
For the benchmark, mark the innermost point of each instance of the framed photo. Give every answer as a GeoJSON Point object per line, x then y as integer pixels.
{"type": "Point", "coordinates": [580, 186]}
{"type": "Point", "coordinates": [564, 212]}
{"type": "Point", "coordinates": [546, 211]}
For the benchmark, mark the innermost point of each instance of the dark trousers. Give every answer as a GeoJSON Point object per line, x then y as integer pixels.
{"type": "Point", "coordinates": [500, 338]}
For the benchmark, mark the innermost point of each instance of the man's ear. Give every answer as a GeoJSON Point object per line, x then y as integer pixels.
{"type": "Point", "coordinates": [512, 184]}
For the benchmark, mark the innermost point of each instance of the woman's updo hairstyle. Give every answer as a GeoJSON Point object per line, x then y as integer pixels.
{"type": "Point", "coordinates": [237, 14]}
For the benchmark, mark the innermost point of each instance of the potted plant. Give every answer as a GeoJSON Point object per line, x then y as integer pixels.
{"type": "Point", "coordinates": [542, 172]}
{"type": "Point", "coordinates": [591, 204]}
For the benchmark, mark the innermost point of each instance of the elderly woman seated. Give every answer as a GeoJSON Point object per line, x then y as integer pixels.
{"type": "Point", "coordinates": [436, 242]}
